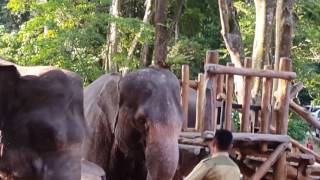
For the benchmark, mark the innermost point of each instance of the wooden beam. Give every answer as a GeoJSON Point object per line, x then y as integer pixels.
{"type": "Point", "coordinates": [244, 137]}
{"type": "Point", "coordinates": [229, 100]}
{"type": "Point", "coordinates": [245, 120]}
{"type": "Point", "coordinates": [304, 114]}
{"type": "Point", "coordinates": [200, 103]}
{"type": "Point", "coordinates": [262, 170]}
{"type": "Point", "coordinates": [220, 69]}
{"type": "Point", "coordinates": [298, 157]}
{"type": "Point", "coordinates": [266, 106]}
{"type": "Point", "coordinates": [185, 94]}
{"type": "Point", "coordinates": [305, 149]}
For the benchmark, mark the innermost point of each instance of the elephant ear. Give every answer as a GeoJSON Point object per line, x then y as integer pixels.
{"type": "Point", "coordinates": [101, 101]}
{"type": "Point", "coordinates": [9, 77]}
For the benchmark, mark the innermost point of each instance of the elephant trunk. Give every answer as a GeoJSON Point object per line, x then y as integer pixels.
{"type": "Point", "coordinates": [162, 151]}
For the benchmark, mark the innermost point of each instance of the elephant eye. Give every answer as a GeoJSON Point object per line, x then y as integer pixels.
{"type": "Point", "coordinates": [140, 124]}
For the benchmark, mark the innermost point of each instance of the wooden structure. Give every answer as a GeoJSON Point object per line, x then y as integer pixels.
{"type": "Point", "coordinates": [263, 151]}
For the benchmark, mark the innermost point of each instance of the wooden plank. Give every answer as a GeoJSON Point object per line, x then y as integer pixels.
{"type": "Point", "coordinates": [200, 103]}
{"type": "Point", "coordinates": [266, 107]}
{"type": "Point", "coordinates": [229, 100]}
{"type": "Point", "coordinates": [185, 94]}
{"type": "Point", "coordinates": [262, 170]}
{"type": "Point", "coordinates": [220, 69]}
{"type": "Point", "coordinates": [248, 137]}
{"type": "Point", "coordinates": [245, 120]}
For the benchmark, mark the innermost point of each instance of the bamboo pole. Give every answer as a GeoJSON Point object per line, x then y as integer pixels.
{"type": "Point", "coordinates": [282, 112]}
{"type": "Point", "coordinates": [265, 107]}
{"type": "Point", "coordinates": [220, 69]}
{"type": "Point", "coordinates": [229, 100]}
{"type": "Point", "coordinates": [245, 120]}
{"type": "Point", "coordinates": [185, 94]}
{"type": "Point", "coordinates": [263, 169]}
{"type": "Point", "coordinates": [200, 102]}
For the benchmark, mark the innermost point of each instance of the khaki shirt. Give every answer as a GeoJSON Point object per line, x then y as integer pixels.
{"type": "Point", "coordinates": [218, 167]}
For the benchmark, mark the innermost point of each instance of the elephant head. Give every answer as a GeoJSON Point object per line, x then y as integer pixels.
{"type": "Point", "coordinates": [42, 123]}
{"type": "Point", "coordinates": [145, 128]}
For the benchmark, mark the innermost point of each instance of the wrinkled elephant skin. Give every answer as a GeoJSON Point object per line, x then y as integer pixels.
{"type": "Point", "coordinates": [134, 124]}
{"type": "Point", "coordinates": [42, 123]}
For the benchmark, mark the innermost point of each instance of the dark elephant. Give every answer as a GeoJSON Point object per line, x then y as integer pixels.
{"type": "Point", "coordinates": [192, 105]}
{"type": "Point", "coordinates": [134, 124]}
{"type": "Point", "coordinates": [42, 123]}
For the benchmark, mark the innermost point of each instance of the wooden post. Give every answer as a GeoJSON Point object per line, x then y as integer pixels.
{"type": "Point", "coordinates": [210, 112]}
{"type": "Point", "coordinates": [263, 169]}
{"type": "Point", "coordinates": [220, 82]}
{"type": "Point", "coordinates": [266, 107]}
{"type": "Point", "coordinates": [282, 112]}
{"type": "Point", "coordinates": [185, 94]}
{"type": "Point", "coordinates": [245, 121]}
{"type": "Point", "coordinates": [200, 102]}
{"type": "Point", "coordinates": [229, 93]}
{"type": "Point", "coordinates": [212, 57]}
{"type": "Point", "coordinates": [283, 98]}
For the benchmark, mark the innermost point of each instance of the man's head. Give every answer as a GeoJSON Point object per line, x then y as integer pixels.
{"type": "Point", "coordinates": [222, 141]}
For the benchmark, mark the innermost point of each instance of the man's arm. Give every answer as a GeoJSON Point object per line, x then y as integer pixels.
{"type": "Point", "coordinates": [198, 173]}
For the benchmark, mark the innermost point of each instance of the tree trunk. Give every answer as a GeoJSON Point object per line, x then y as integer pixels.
{"type": "Point", "coordinates": [265, 10]}
{"type": "Point", "coordinates": [146, 19]}
{"type": "Point", "coordinates": [161, 32]}
{"type": "Point", "coordinates": [177, 18]}
{"type": "Point", "coordinates": [147, 55]}
{"type": "Point", "coordinates": [232, 37]}
{"type": "Point", "coordinates": [284, 29]}
{"type": "Point", "coordinates": [109, 66]}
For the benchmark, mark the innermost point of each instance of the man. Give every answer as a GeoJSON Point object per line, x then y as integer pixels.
{"type": "Point", "coordinates": [219, 166]}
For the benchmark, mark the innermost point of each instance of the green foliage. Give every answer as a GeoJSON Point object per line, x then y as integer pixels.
{"type": "Point", "coordinates": [236, 120]}
{"type": "Point", "coordinates": [68, 34]}
{"type": "Point", "coordinates": [246, 15]}
{"type": "Point", "coordinates": [186, 51]}
{"type": "Point", "coordinates": [297, 128]}
{"type": "Point", "coordinates": [306, 46]}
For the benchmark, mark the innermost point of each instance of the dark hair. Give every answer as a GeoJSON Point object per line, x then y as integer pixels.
{"type": "Point", "coordinates": [223, 139]}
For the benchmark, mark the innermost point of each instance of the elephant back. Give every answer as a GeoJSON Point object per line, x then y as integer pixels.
{"type": "Point", "coordinates": [101, 104]}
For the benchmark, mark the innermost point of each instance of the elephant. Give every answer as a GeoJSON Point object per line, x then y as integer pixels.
{"type": "Point", "coordinates": [192, 105]}
{"type": "Point", "coordinates": [134, 124]}
{"type": "Point", "coordinates": [42, 123]}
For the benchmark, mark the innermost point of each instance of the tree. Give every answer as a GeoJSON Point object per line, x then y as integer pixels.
{"type": "Point", "coordinates": [113, 38]}
{"type": "Point", "coordinates": [161, 32]}
{"type": "Point", "coordinates": [146, 19]}
{"type": "Point", "coordinates": [265, 10]}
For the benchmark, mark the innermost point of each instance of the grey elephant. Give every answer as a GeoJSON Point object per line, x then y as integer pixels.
{"type": "Point", "coordinates": [134, 124]}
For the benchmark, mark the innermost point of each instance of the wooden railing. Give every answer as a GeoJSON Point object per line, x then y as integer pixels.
{"type": "Point", "coordinates": [216, 86]}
